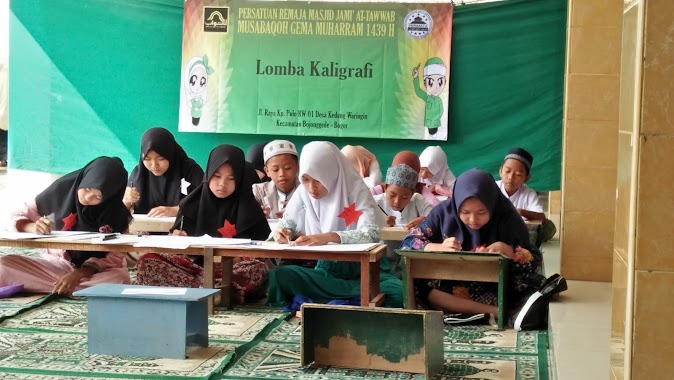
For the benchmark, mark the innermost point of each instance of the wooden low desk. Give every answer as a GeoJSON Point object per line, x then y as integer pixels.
{"type": "Point", "coordinates": [461, 266]}
{"type": "Point", "coordinates": [369, 261]}
{"type": "Point", "coordinates": [131, 320]}
{"type": "Point", "coordinates": [369, 264]}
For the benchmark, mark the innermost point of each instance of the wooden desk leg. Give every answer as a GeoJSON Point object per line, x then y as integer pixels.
{"type": "Point", "coordinates": [502, 283]}
{"type": "Point", "coordinates": [365, 281]}
{"type": "Point", "coordinates": [409, 299]}
{"type": "Point", "coordinates": [226, 284]}
{"type": "Point", "coordinates": [209, 276]}
{"type": "Point", "coordinates": [378, 298]}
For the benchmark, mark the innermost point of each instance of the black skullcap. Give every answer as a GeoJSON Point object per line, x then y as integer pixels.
{"type": "Point", "coordinates": [521, 155]}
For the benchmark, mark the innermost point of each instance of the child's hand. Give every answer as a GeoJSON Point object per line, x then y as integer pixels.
{"type": "Point", "coordinates": [279, 213]}
{"type": "Point", "coordinates": [282, 235]}
{"type": "Point", "coordinates": [391, 221]}
{"type": "Point", "coordinates": [451, 244]}
{"type": "Point", "coordinates": [67, 284]}
{"type": "Point", "coordinates": [415, 72]}
{"type": "Point", "coordinates": [178, 232]}
{"type": "Point", "coordinates": [266, 210]}
{"type": "Point", "coordinates": [432, 188]}
{"type": "Point", "coordinates": [42, 226]}
{"type": "Point", "coordinates": [163, 211]}
{"type": "Point", "coordinates": [131, 196]}
{"type": "Point", "coordinates": [502, 248]}
{"type": "Point", "coordinates": [318, 239]}
{"type": "Point", "coordinates": [414, 222]}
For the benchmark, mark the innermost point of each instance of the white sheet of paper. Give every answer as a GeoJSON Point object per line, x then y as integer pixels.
{"type": "Point", "coordinates": [182, 242]}
{"type": "Point", "coordinates": [160, 291]}
{"type": "Point", "coordinates": [329, 247]}
{"type": "Point", "coordinates": [10, 235]}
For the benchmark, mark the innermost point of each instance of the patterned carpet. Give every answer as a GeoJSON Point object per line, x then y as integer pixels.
{"type": "Point", "coordinates": [49, 341]}
{"type": "Point", "coordinates": [471, 352]}
{"type": "Point", "coordinates": [44, 337]}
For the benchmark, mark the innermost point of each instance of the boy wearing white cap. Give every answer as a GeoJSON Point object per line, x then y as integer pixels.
{"type": "Point", "coordinates": [281, 165]}
{"type": "Point", "coordinates": [435, 79]}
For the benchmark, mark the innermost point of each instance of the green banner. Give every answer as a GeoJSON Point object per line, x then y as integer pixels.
{"type": "Point", "coordinates": [377, 70]}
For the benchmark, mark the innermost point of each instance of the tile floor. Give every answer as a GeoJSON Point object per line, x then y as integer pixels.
{"type": "Point", "coordinates": [579, 319]}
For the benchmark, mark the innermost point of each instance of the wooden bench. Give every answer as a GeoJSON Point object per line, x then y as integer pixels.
{"type": "Point", "coordinates": [372, 338]}
{"type": "Point", "coordinates": [461, 266]}
{"type": "Point", "coordinates": [147, 321]}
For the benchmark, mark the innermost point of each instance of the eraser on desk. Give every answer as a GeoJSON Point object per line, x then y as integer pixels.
{"type": "Point", "coordinates": [10, 290]}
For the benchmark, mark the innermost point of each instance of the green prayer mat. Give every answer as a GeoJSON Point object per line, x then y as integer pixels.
{"type": "Point", "coordinates": [50, 342]}
{"type": "Point", "coordinates": [10, 307]}
{"type": "Point", "coordinates": [471, 352]}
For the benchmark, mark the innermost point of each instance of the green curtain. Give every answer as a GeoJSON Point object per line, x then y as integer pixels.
{"type": "Point", "coordinates": [88, 77]}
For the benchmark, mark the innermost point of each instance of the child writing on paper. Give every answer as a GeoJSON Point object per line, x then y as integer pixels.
{"type": "Point", "coordinates": [88, 199]}
{"type": "Point", "coordinates": [434, 171]}
{"type": "Point", "coordinates": [281, 165]}
{"type": "Point", "coordinates": [515, 173]}
{"type": "Point", "coordinates": [477, 218]}
{"type": "Point", "coordinates": [164, 175]}
{"type": "Point", "coordinates": [402, 206]}
{"type": "Point", "coordinates": [333, 205]}
{"type": "Point", "coordinates": [221, 206]}
{"type": "Point", "coordinates": [400, 203]}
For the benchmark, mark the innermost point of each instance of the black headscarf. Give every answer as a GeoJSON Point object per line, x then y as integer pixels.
{"type": "Point", "coordinates": [202, 212]}
{"type": "Point", "coordinates": [106, 174]}
{"type": "Point", "coordinates": [255, 156]}
{"type": "Point", "coordinates": [165, 190]}
{"type": "Point", "coordinates": [505, 224]}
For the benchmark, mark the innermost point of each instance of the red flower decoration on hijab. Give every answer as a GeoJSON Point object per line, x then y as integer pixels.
{"type": "Point", "coordinates": [227, 230]}
{"type": "Point", "coordinates": [350, 214]}
{"type": "Point", "coordinates": [69, 222]}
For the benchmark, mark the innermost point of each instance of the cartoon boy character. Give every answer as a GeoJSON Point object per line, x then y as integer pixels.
{"type": "Point", "coordinates": [196, 80]}
{"type": "Point", "coordinates": [435, 79]}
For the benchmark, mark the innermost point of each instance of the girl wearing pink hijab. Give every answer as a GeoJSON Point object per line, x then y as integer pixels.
{"type": "Point", "coordinates": [365, 163]}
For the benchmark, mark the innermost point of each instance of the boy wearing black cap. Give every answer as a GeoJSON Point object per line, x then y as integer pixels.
{"type": "Point", "coordinates": [514, 174]}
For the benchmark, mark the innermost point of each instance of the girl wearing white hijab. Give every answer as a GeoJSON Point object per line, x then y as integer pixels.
{"type": "Point", "coordinates": [434, 171]}
{"type": "Point", "coordinates": [333, 205]}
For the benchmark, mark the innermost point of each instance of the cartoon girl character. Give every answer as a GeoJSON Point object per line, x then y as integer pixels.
{"type": "Point", "coordinates": [196, 80]}
{"type": "Point", "coordinates": [435, 80]}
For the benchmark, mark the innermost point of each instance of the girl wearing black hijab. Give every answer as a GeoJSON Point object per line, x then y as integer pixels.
{"type": "Point", "coordinates": [164, 175]}
{"type": "Point", "coordinates": [89, 199]}
{"type": "Point", "coordinates": [255, 156]}
{"type": "Point", "coordinates": [478, 218]}
{"type": "Point", "coordinates": [223, 205]}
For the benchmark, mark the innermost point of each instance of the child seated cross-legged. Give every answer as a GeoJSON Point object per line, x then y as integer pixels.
{"type": "Point", "coordinates": [515, 173]}
{"type": "Point", "coordinates": [434, 171]}
{"type": "Point", "coordinates": [281, 165]}
{"type": "Point", "coordinates": [164, 175]}
{"type": "Point", "coordinates": [88, 199]}
{"type": "Point", "coordinates": [477, 218]}
{"type": "Point", "coordinates": [333, 205]}
{"type": "Point", "coordinates": [221, 206]}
